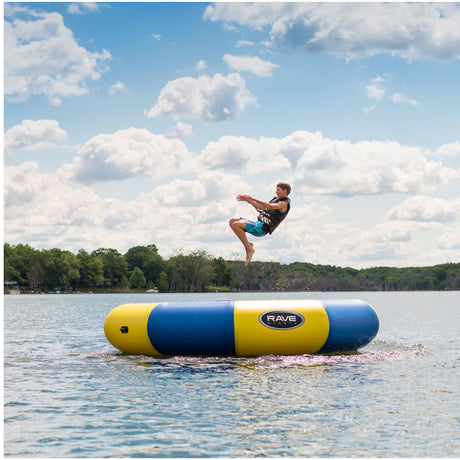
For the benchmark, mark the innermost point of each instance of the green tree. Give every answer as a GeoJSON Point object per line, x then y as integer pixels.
{"type": "Point", "coordinates": [124, 283]}
{"type": "Point", "coordinates": [222, 274]}
{"type": "Point", "coordinates": [36, 271]}
{"type": "Point", "coordinates": [18, 259]}
{"type": "Point", "coordinates": [55, 269]}
{"type": "Point", "coordinates": [91, 269]}
{"type": "Point", "coordinates": [192, 272]}
{"type": "Point", "coordinates": [137, 279]}
{"type": "Point", "coordinates": [114, 264]}
{"type": "Point", "coordinates": [70, 275]}
{"type": "Point", "coordinates": [147, 259]}
{"type": "Point", "coordinates": [163, 282]}
{"type": "Point", "coordinates": [10, 272]}
{"type": "Point", "coordinates": [138, 256]}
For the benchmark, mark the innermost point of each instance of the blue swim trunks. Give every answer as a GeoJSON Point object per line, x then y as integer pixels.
{"type": "Point", "coordinates": [254, 228]}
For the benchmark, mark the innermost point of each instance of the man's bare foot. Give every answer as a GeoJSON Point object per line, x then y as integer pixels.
{"type": "Point", "coordinates": [249, 254]}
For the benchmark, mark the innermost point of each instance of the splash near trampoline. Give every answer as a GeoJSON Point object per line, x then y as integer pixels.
{"type": "Point", "coordinates": [241, 327]}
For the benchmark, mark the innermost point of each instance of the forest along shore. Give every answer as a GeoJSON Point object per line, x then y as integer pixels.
{"type": "Point", "coordinates": [142, 269]}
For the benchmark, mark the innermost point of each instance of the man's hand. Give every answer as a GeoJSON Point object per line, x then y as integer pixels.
{"type": "Point", "coordinates": [252, 201]}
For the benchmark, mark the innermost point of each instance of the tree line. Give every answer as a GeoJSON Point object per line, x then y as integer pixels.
{"type": "Point", "coordinates": [142, 268]}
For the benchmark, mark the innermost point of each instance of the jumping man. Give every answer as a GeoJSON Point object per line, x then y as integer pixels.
{"type": "Point", "coordinates": [270, 216]}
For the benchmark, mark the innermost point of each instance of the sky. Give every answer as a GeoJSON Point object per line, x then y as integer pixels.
{"type": "Point", "coordinates": [131, 124]}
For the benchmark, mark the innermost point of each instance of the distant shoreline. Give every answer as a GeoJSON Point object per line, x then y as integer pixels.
{"type": "Point", "coordinates": [142, 268]}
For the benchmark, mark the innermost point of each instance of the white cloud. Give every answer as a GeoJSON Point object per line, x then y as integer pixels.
{"type": "Point", "coordinates": [327, 166]}
{"type": "Point", "coordinates": [79, 8]}
{"type": "Point", "coordinates": [181, 131]}
{"type": "Point", "coordinates": [251, 64]}
{"type": "Point", "coordinates": [157, 37]}
{"type": "Point", "coordinates": [34, 135]}
{"type": "Point", "coordinates": [239, 153]}
{"type": "Point", "coordinates": [450, 240]}
{"type": "Point", "coordinates": [376, 89]}
{"type": "Point", "coordinates": [399, 98]}
{"type": "Point", "coordinates": [128, 153]}
{"type": "Point", "coordinates": [210, 99]}
{"type": "Point", "coordinates": [449, 150]}
{"type": "Point", "coordinates": [366, 110]}
{"type": "Point", "coordinates": [320, 166]}
{"type": "Point", "coordinates": [208, 188]}
{"type": "Point", "coordinates": [22, 183]}
{"type": "Point", "coordinates": [46, 210]}
{"type": "Point", "coordinates": [116, 87]}
{"type": "Point", "coordinates": [241, 43]}
{"type": "Point", "coordinates": [426, 209]}
{"type": "Point", "coordinates": [413, 31]}
{"type": "Point", "coordinates": [201, 65]}
{"type": "Point", "coordinates": [387, 243]}
{"type": "Point", "coordinates": [255, 15]}
{"type": "Point", "coordinates": [42, 57]}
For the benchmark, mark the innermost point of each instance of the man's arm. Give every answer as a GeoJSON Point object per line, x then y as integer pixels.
{"type": "Point", "coordinates": [260, 205]}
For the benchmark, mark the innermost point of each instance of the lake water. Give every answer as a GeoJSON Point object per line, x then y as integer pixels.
{"type": "Point", "coordinates": [69, 393]}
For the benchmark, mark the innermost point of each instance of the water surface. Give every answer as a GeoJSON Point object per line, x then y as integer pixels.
{"type": "Point", "coordinates": [69, 393]}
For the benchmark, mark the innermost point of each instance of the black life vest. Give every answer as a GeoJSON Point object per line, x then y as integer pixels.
{"type": "Point", "coordinates": [273, 217]}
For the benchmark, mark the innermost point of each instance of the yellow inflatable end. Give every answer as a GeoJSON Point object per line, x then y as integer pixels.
{"type": "Point", "coordinates": [126, 329]}
{"type": "Point", "coordinates": [255, 337]}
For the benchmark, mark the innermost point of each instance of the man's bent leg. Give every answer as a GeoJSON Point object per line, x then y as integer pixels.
{"type": "Point", "coordinates": [238, 226]}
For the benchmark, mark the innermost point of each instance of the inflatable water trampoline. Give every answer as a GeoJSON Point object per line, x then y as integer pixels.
{"type": "Point", "coordinates": [241, 327]}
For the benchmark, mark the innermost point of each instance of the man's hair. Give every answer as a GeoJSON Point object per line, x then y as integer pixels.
{"type": "Point", "coordinates": [284, 186]}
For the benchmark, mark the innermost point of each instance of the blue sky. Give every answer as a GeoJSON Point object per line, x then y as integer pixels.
{"type": "Point", "coordinates": [136, 123]}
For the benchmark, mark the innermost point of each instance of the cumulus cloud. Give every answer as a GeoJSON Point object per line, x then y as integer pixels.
{"type": "Point", "coordinates": [449, 150]}
{"type": "Point", "coordinates": [254, 15]}
{"type": "Point", "coordinates": [205, 98]}
{"type": "Point", "coordinates": [34, 135]}
{"type": "Point", "coordinates": [413, 31]}
{"type": "Point", "coordinates": [22, 183]}
{"type": "Point", "coordinates": [211, 187]}
{"type": "Point", "coordinates": [43, 210]}
{"type": "Point", "coordinates": [128, 153]}
{"type": "Point", "coordinates": [238, 153]}
{"type": "Point", "coordinates": [321, 166]}
{"type": "Point", "coordinates": [426, 209]}
{"type": "Point", "coordinates": [251, 64]}
{"type": "Point", "coordinates": [47, 210]}
{"type": "Point", "coordinates": [181, 131]}
{"type": "Point", "coordinates": [450, 240]}
{"type": "Point", "coordinates": [42, 57]}
{"type": "Point", "coordinates": [343, 168]}
{"type": "Point", "coordinates": [386, 243]}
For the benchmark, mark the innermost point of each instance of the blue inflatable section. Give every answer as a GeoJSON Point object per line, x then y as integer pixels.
{"type": "Point", "coordinates": [191, 328]}
{"type": "Point", "coordinates": [349, 328]}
